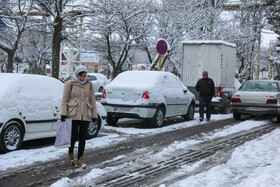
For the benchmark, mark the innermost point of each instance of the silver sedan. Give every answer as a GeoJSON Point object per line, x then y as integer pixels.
{"type": "Point", "coordinates": [257, 97]}
{"type": "Point", "coordinates": [148, 95]}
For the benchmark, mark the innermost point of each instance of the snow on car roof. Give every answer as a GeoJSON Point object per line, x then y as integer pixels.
{"type": "Point", "coordinates": [8, 81]}
{"type": "Point", "coordinates": [198, 42]}
{"type": "Point", "coordinates": [23, 92]}
{"type": "Point", "coordinates": [138, 78]}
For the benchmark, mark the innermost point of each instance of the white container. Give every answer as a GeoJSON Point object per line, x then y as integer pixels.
{"type": "Point", "coordinates": [215, 56]}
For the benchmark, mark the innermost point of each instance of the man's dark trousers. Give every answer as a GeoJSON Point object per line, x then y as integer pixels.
{"type": "Point", "coordinates": [205, 101]}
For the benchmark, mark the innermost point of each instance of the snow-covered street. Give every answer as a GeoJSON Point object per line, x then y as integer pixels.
{"type": "Point", "coordinates": [254, 163]}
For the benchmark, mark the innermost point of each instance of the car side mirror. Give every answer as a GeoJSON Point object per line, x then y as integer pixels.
{"type": "Point", "coordinates": [185, 90]}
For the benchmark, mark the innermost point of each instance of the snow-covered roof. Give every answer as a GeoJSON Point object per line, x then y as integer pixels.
{"type": "Point", "coordinates": [199, 42]}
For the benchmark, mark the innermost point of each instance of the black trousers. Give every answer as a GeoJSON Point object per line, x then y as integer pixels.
{"type": "Point", "coordinates": [79, 130]}
{"type": "Point", "coordinates": [205, 101]}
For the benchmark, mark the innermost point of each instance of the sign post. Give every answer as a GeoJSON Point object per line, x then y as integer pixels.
{"type": "Point", "coordinates": [161, 49]}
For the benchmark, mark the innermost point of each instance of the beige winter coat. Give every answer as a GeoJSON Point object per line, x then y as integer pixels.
{"type": "Point", "coordinates": [78, 101]}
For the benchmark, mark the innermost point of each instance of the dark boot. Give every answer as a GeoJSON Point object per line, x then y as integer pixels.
{"type": "Point", "coordinates": [80, 163]}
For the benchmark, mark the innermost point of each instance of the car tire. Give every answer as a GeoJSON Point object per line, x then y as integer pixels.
{"type": "Point", "coordinates": [93, 128]}
{"type": "Point", "coordinates": [226, 109]}
{"type": "Point", "coordinates": [190, 115]}
{"type": "Point", "coordinates": [237, 116]}
{"type": "Point", "coordinates": [158, 118]}
{"type": "Point", "coordinates": [11, 137]}
{"type": "Point", "coordinates": [112, 120]}
{"type": "Point", "coordinates": [100, 89]}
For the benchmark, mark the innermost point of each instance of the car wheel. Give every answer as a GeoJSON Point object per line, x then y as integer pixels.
{"type": "Point", "coordinates": [93, 128]}
{"type": "Point", "coordinates": [11, 137]}
{"type": "Point", "coordinates": [100, 89]}
{"type": "Point", "coordinates": [190, 114]}
{"type": "Point", "coordinates": [158, 118]}
{"type": "Point", "coordinates": [112, 120]}
{"type": "Point", "coordinates": [226, 109]}
{"type": "Point", "coordinates": [237, 116]}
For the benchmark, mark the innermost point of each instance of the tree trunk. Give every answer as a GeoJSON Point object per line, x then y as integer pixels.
{"type": "Point", "coordinates": [148, 54]}
{"type": "Point", "coordinates": [57, 38]}
{"type": "Point", "coordinates": [10, 64]}
{"type": "Point", "coordinates": [164, 59]}
{"type": "Point", "coordinates": [116, 71]}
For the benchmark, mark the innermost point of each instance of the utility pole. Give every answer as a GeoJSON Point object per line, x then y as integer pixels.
{"type": "Point", "coordinates": [259, 54]}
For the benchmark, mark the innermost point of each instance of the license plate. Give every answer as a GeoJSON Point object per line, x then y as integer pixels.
{"type": "Point", "coordinates": [121, 109]}
{"type": "Point", "coordinates": [253, 108]}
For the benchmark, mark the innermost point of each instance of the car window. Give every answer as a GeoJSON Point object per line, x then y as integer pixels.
{"type": "Point", "coordinates": [171, 82]}
{"type": "Point", "coordinates": [260, 86]}
{"type": "Point", "coordinates": [92, 77]}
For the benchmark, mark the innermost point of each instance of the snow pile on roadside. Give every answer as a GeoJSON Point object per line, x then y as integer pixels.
{"type": "Point", "coordinates": [256, 163]}
{"type": "Point", "coordinates": [27, 157]}
{"type": "Point", "coordinates": [64, 182]}
{"type": "Point", "coordinates": [245, 125]}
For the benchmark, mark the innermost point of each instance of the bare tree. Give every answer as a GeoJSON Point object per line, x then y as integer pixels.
{"type": "Point", "coordinates": [55, 8]}
{"type": "Point", "coordinates": [35, 46]}
{"type": "Point", "coordinates": [175, 22]}
{"type": "Point", "coordinates": [15, 14]}
{"type": "Point", "coordinates": [245, 31]}
{"type": "Point", "coordinates": [116, 26]}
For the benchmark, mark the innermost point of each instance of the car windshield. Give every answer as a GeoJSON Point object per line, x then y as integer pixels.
{"type": "Point", "coordinates": [260, 86]}
{"type": "Point", "coordinates": [92, 77]}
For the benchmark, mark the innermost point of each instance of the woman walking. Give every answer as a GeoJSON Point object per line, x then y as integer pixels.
{"type": "Point", "coordinates": [78, 103]}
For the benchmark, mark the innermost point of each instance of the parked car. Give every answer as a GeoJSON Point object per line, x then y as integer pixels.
{"type": "Point", "coordinates": [30, 107]}
{"type": "Point", "coordinates": [98, 80]}
{"type": "Point", "coordinates": [257, 97]}
{"type": "Point", "coordinates": [148, 95]}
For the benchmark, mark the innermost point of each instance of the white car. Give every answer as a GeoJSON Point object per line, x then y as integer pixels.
{"type": "Point", "coordinates": [257, 97]}
{"type": "Point", "coordinates": [149, 95]}
{"type": "Point", "coordinates": [98, 80]}
{"type": "Point", "coordinates": [30, 107]}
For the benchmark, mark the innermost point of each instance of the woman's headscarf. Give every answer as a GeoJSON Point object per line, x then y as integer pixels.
{"type": "Point", "coordinates": [79, 69]}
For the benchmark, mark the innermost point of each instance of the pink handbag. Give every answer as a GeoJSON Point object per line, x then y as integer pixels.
{"type": "Point", "coordinates": [63, 133]}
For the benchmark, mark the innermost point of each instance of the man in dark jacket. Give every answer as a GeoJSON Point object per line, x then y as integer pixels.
{"type": "Point", "coordinates": [206, 89]}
